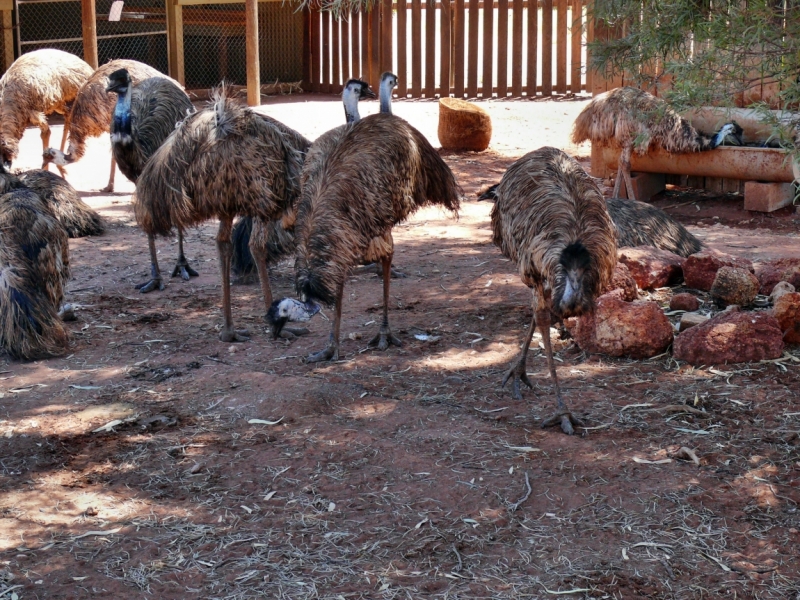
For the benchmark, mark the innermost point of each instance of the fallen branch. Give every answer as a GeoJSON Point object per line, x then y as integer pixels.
{"type": "Point", "coordinates": [517, 504]}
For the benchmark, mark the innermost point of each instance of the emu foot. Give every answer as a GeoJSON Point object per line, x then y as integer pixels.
{"type": "Point", "coordinates": [149, 286]}
{"type": "Point", "coordinates": [384, 339]}
{"type": "Point", "coordinates": [108, 189]}
{"type": "Point", "coordinates": [183, 269]}
{"type": "Point", "coordinates": [517, 371]}
{"type": "Point", "coordinates": [566, 420]}
{"type": "Point", "coordinates": [329, 353]}
{"type": "Point", "coordinates": [234, 335]}
{"type": "Point", "coordinates": [292, 333]}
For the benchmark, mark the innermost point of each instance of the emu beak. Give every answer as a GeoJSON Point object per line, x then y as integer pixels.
{"type": "Point", "coordinates": [368, 93]}
{"type": "Point", "coordinates": [277, 327]}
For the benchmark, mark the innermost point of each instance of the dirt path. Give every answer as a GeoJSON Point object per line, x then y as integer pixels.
{"type": "Point", "coordinates": [404, 474]}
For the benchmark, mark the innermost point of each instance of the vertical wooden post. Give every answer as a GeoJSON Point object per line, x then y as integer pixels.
{"type": "Point", "coordinates": [175, 41]}
{"type": "Point", "coordinates": [8, 40]}
{"type": "Point", "coordinates": [89, 20]}
{"type": "Point", "coordinates": [306, 85]}
{"type": "Point", "coordinates": [251, 56]}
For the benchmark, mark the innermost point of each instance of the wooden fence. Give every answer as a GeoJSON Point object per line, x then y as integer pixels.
{"type": "Point", "coordinates": [453, 47]}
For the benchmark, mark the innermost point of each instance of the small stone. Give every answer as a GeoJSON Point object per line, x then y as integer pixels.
{"type": "Point", "coordinates": [690, 319]}
{"type": "Point", "coordinates": [772, 272]}
{"type": "Point", "coordinates": [701, 268]}
{"type": "Point", "coordinates": [650, 267]}
{"type": "Point", "coordinates": [733, 285]}
{"type": "Point", "coordinates": [787, 313]}
{"type": "Point", "coordinates": [781, 288]}
{"type": "Point", "coordinates": [687, 302]}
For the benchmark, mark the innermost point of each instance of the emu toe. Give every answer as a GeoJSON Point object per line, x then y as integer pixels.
{"type": "Point", "coordinates": [108, 189]}
{"type": "Point", "coordinates": [566, 420]}
{"type": "Point", "coordinates": [236, 335]}
{"type": "Point", "coordinates": [329, 353]}
{"type": "Point", "coordinates": [384, 339]}
{"type": "Point", "coordinates": [183, 269]}
{"type": "Point", "coordinates": [519, 373]}
{"type": "Point", "coordinates": [292, 333]}
{"type": "Point", "coordinates": [151, 285]}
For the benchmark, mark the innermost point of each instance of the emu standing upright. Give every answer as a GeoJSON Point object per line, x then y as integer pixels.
{"type": "Point", "coordinates": [626, 117]}
{"type": "Point", "coordinates": [145, 114]}
{"type": "Point", "coordinates": [551, 220]}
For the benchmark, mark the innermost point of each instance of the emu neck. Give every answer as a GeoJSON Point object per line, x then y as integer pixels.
{"type": "Point", "coordinates": [350, 101]}
{"type": "Point", "coordinates": [386, 97]}
{"type": "Point", "coordinates": [121, 124]}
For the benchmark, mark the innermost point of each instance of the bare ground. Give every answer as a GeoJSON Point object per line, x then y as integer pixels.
{"type": "Point", "coordinates": [403, 474]}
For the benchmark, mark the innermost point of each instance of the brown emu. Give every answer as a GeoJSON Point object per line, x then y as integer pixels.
{"type": "Point", "coordinates": [145, 114]}
{"type": "Point", "coordinates": [550, 219]}
{"type": "Point", "coordinates": [224, 161]}
{"type": "Point", "coordinates": [34, 269]}
{"type": "Point", "coordinates": [93, 109]}
{"type": "Point", "coordinates": [634, 120]}
{"type": "Point", "coordinates": [37, 84]}
{"type": "Point", "coordinates": [378, 173]}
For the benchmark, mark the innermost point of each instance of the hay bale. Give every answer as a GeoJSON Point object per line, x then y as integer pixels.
{"type": "Point", "coordinates": [463, 125]}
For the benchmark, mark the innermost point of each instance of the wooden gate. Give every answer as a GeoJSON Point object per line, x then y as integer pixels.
{"type": "Point", "coordinates": [453, 47]}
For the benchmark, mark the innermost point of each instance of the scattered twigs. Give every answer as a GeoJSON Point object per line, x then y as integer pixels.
{"type": "Point", "coordinates": [460, 562]}
{"type": "Point", "coordinates": [517, 504]}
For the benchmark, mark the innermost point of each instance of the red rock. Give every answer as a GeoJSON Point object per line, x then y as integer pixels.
{"type": "Point", "coordinates": [787, 313]}
{"type": "Point", "coordinates": [623, 281]}
{"type": "Point", "coordinates": [781, 288]}
{"type": "Point", "coordinates": [684, 301]}
{"type": "Point", "coordinates": [652, 267]}
{"type": "Point", "coordinates": [700, 269]}
{"type": "Point", "coordinates": [733, 285]}
{"type": "Point", "coordinates": [782, 269]}
{"type": "Point", "coordinates": [638, 329]}
{"type": "Point", "coordinates": [732, 336]}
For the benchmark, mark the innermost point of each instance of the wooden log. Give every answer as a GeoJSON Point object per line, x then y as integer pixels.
{"type": "Point", "coordinates": [463, 125]}
{"type": "Point", "coordinates": [251, 56]}
{"type": "Point", "coordinates": [89, 19]}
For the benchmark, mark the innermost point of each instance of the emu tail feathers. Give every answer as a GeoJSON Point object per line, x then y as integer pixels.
{"type": "Point", "coordinates": [242, 262]}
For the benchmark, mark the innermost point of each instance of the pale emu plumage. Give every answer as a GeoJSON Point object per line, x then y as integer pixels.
{"type": "Point", "coordinates": [37, 84]}
{"type": "Point", "coordinates": [635, 121]}
{"type": "Point", "coordinates": [34, 270]}
{"type": "Point", "coordinates": [145, 114]}
{"type": "Point", "coordinates": [550, 219]}
{"type": "Point", "coordinates": [224, 161]}
{"type": "Point", "coordinates": [376, 175]}
{"type": "Point", "coordinates": [92, 110]}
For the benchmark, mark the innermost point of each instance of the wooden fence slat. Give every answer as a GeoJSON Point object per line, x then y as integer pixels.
{"type": "Point", "coordinates": [576, 31]}
{"type": "Point", "coordinates": [516, 48]}
{"type": "Point", "coordinates": [547, 47]}
{"type": "Point", "coordinates": [430, 48]}
{"type": "Point", "coordinates": [375, 43]}
{"type": "Point", "coordinates": [458, 48]}
{"type": "Point", "coordinates": [590, 75]}
{"type": "Point", "coordinates": [336, 47]}
{"type": "Point", "coordinates": [402, 57]}
{"type": "Point", "coordinates": [445, 44]}
{"type": "Point", "coordinates": [416, 48]}
{"type": "Point", "coordinates": [488, 54]}
{"type": "Point", "coordinates": [364, 53]}
{"type": "Point", "coordinates": [502, 48]}
{"type": "Point", "coordinates": [355, 45]}
{"type": "Point", "coordinates": [472, 56]}
{"type": "Point", "coordinates": [387, 37]}
{"type": "Point", "coordinates": [533, 49]}
{"type": "Point", "coordinates": [316, 51]}
{"type": "Point", "coordinates": [308, 16]}
{"type": "Point", "coordinates": [346, 72]}
{"type": "Point", "coordinates": [561, 46]}
{"type": "Point", "coordinates": [326, 53]}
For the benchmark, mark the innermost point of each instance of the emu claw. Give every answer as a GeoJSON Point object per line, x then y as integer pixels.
{"type": "Point", "coordinates": [237, 335]}
{"type": "Point", "coordinates": [154, 283]}
{"type": "Point", "coordinates": [566, 420]}
{"type": "Point", "coordinates": [383, 339]}
{"type": "Point", "coordinates": [108, 189]}
{"type": "Point", "coordinates": [329, 353]}
{"type": "Point", "coordinates": [184, 270]}
{"type": "Point", "coordinates": [518, 374]}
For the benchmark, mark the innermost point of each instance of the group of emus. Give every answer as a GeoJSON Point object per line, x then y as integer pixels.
{"type": "Point", "coordinates": [330, 204]}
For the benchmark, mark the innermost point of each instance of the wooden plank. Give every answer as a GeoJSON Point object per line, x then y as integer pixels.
{"type": "Point", "coordinates": [316, 50]}
{"type": "Point", "coordinates": [459, 17]}
{"type": "Point", "coordinates": [306, 83]}
{"type": "Point", "coordinates": [355, 46]}
{"type": "Point", "coordinates": [375, 43]}
{"type": "Point", "coordinates": [488, 49]}
{"type": "Point", "coordinates": [561, 34]}
{"type": "Point", "coordinates": [251, 53]}
{"type": "Point", "coordinates": [472, 56]}
{"type": "Point", "coordinates": [347, 73]}
{"type": "Point", "coordinates": [502, 48]}
{"type": "Point", "coordinates": [387, 37]}
{"type": "Point", "coordinates": [576, 33]}
{"type": "Point", "coordinates": [416, 48]}
{"type": "Point", "coordinates": [402, 50]}
{"type": "Point", "coordinates": [533, 49]}
{"type": "Point", "coordinates": [430, 48]}
{"type": "Point", "coordinates": [325, 88]}
{"type": "Point", "coordinates": [365, 58]}
{"type": "Point", "coordinates": [445, 44]}
{"type": "Point", "coordinates": [547, 47]}
{"type": "Point", "coordinates": [336, 58]}
{"type": "Point", "coordinates": [8, 39]}
{"type": "Point", "coordinates": [517, 12]}
{"type": "Point", "coordinates": [89, 22]}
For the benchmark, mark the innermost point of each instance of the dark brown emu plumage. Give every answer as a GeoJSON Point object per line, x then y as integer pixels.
{"type": "Point", "coordinates": [34, 269]}
{"type": "Point", "coordinates": [224, 161]}
{"type": "Point", "coordinates": [145, 114]}
{"type": "Point", "coordinates": [550, 219]}
{"type": "Point", "coordinates": [634, 120]}
{"type": "Point", "coordinates": [378, 173]}
{"type": "Point", "coordinates": [641, 224]}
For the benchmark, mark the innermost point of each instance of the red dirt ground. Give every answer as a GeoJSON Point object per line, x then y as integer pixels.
{"type": "Point", "coordinates": [401, 474]}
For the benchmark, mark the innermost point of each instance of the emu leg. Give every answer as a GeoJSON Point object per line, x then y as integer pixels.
{"type": "Point", "coordinates": [332, 351]}
{"type": "Point", "coordinates": [225, 249]}
{"type": "Point", "coordinates": [384, 338]}
{"type": "Point", "coordinates": [110, 187]}
{"type": "Point", "coordinates": [182, 267]}
{"type": "Point", "coordinates": [625, 163]}
{"type": "Point", "coordinates": [617, 181]}
{"type": "Point", "coordinates": [155, 272]}
{"type": "Point", "coordinates": [65, 132]}
{"type": "Point", "coordinates": [563, 416]}
{"type": "Point", "coordinates": [45, 135]}
{"type": "Point", "coordinates": [517, 370]}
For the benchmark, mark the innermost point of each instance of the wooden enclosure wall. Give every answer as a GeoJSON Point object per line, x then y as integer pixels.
{"type": "Point", "coordinates": [453, 47]}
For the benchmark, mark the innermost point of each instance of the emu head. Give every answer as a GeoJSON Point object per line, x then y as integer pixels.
{"type": "Point", "coordinates": [119, 82]}
{"type": "Point", "coordinates": [288, 309]}
{"type": "Point", "coordinates": [359, 88]}
{"type": "Point", "coordinates": [730, 134]}
{"type": "Point", "coordinates": [576, 285]}
{"type": "Point", "coordinates": [489, 193]}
